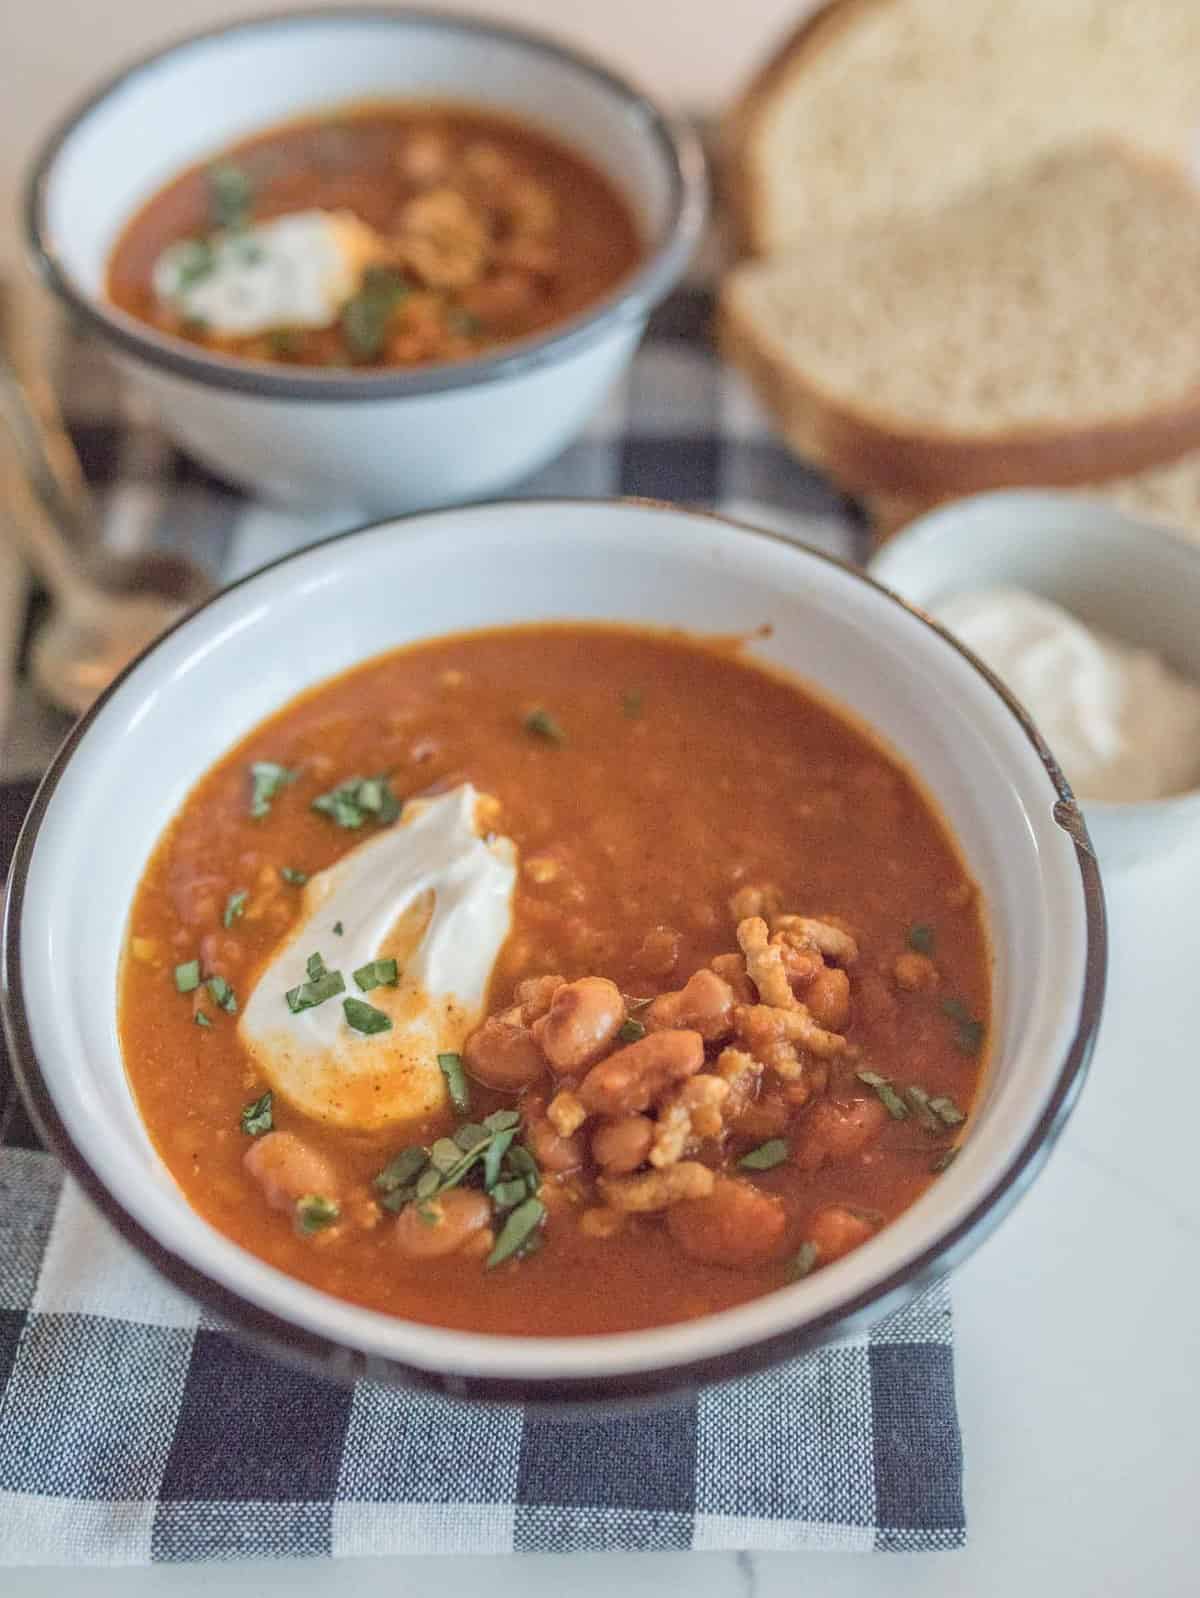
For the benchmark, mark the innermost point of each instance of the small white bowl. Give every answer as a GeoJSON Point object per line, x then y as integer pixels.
{"type": "Point", "coordinates": [1128, 577]}
{"type": "Point", "coordinates": [380, 441]}
{"type": "Point", "coordinates": [130, 763]}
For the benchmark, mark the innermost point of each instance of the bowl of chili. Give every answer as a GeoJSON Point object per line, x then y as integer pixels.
{"type": "Point", "coordinates": [846, 805]}
{"type": "Point", "coordinates": [367, 258]}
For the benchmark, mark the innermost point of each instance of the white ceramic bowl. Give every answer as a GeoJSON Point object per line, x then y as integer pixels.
{"type": "Point", "coordinates": [1126, 576]}
{"type": "Point", "coordinates": [383, 441]}
{"type": "Point", "coordinates": [129, 765]}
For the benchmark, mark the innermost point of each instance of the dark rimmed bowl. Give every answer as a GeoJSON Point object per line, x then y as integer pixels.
{"type": "Point", "coordinates": [130, 763]}
{"type": "Point", "coordinates": [377, 441]}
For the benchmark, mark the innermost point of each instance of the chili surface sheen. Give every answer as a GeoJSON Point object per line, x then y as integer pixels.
{"type": "Point", "coordinates": [667, 798]}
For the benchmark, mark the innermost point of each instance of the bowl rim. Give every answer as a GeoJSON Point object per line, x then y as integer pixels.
{"type": "Point", "coordinates": [291, 1341]}
{"type": "Point", "coordinates": [931, 526]}
{"type": "Point", "coordinates": [631, 299]}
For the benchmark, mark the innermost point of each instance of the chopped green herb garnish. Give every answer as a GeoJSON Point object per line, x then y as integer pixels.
{"type": "Point", "coordinates": [969, 1032]}
{"type": "Point", "coordinates": [314, 1213]}
{"type": "Point", "coordinates": [523, 1162]}
{"type": "Point", "coordinates": [944, 1160]}
{"type": "Point", "coordinates": [498, 1146]}
{"type": "Point", "coordinates": [543, 725]}
{"type": "Point", "coordinates": [416, 1173]}
{"type": "Point", "coordinates": [463, 322]}
{"type": "Point", "coordinates": [338, 928]}
{"type": "Point", "coordinates": [358, 800]}
{"type": "Point", "coordinates": [631, 703]}
{"type": "Point", "coordinates": [222, 994]}
{"type": "Point", "coordinates": [365, 317]}
{"type": "Point", "coordinates": [502, 1120]}
{"type": "Point", "coordinates": [507, 1195]}
{"type": "Point", "coordinates": [470, 1136]}
{"type": "Point", "coordinates": [377, 974]}
{"type": "Point", "coordinates": [892, 1102]}
{"type": "Point", "coordinates": [918, 1101]}
{"type": "Point", "coordinates": [401, 1170]}
{"type": "Point", "coordinates": [946, 1110]}
{"type": "Point", "coordinates": [296, 878]}
{"type": "Point", "coordinates": [921, 937]}
{"type": "Point", "coordinates": [315, 991]}
{"type": "Point", "coordinates": [766, 1156]}
{"type": "Point", "coordinates": [235, 907]}
{"type": "Point", "coordinates": [257, 1117]}
{"type": "Point", "coordinates": [250, 252]}
{"type": "Point", "coordinates": [194, 260]}
{"type": "Point", "coordinates": [457, 1085]}
{"type": "Point", "coordinates": [802, 1261]}
{"type": "Point", "coordinates": [315, 967]}
{"type": "Point", "coordinates": [445, 1154]}
{"type": "Point", "coordinates": [631, 1030]}
{"type": "Point", "coordinates": [517, 1231]}
{"type": "Point", "coordinates": [229, 194]}
{"type": "Point", "coordinates": [187, 976]}
{"type": "Point", "coordinates": [201, 1019]}
{"type": "Point", "coordinates": [428, 1183]}
{"type": "Point", "coordinates": [284, 343]}
{"type": "Point", "coordinates": [266, 780]}
{"type": "Point", "coordinates": [365, 1018]}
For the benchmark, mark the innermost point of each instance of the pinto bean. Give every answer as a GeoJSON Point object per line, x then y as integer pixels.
{"type": "Point", "coordinates": [287, 1170]}
{"type": "Point", "coordinates": [535, 996]}
{"type": "Point", "coordinates": [503, 1055]}
{"type": "Point", "coordinates": [828, 998]}
{"type": "Point", "coordinates": [837, 1229]}
{"type": "Point", "coordinates": [736, 1225]}
{"type": "Point", "coordinates": [583, 1020]}
{"type": "Point", "coordinates": [550, 1149]}
{"type": "Point", "coordinates": [633, 1077]}
{"type": "Point", "coordinates": [704, 1004]}
{"type": "Point", "coordinates": [837, 1130]}
{"type": "Point", "coordinates": [620, 1146]}
{"type": "Point", "coordinates": [433, 1228]}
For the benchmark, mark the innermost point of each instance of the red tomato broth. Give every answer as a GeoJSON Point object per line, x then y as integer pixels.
{"type": "Point", "coordinates": [727, 775]}
{"type": "Point", "coordinates": [354, 159]}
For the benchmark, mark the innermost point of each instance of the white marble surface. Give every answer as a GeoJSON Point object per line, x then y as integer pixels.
{"type": "Point", "coordinates": [1078, 1329]}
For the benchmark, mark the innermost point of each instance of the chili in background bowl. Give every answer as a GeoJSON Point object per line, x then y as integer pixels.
{"type": "Point", "coordinates": [127, 767]}
{"type": "Point", "coordinates": [371, 441]}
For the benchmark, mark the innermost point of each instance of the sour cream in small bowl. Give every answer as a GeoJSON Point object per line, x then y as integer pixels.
{"type": "Point", "coordinates": [1089, 615]}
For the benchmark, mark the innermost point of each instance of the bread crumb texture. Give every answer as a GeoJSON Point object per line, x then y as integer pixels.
{"type": "Point", "coordinates": [890, 106]}
{"type": "Point", "coordinates": [1063, 296]}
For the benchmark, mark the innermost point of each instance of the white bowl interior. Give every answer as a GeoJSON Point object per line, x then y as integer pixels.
{"type": "Point", "coordinates": [260, 644]}
{"type": "Point", "coordinates": [192, 102]}
{"type": "Point", "coordinates": [1114, 571]}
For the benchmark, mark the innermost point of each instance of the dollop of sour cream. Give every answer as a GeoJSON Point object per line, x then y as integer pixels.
{"type": "Point", "coordinates": [436, 897]}
{"type": "Point", "coordinates": [295, 271]}
{"type": "Point", "coordinates": [1123, 724]}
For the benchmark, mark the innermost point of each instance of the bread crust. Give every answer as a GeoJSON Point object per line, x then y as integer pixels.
{"type": "Point", "coordinates": [736, 165]}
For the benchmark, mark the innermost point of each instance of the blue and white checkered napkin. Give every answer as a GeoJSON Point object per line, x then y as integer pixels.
{"type": "Point", "coordinates": [133, 1427]}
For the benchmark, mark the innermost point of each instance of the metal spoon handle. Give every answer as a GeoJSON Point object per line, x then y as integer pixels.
{"type": "Point", "coordinates": [30, 414]}
{"type": "Point", "coordinates": [47, 550]}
